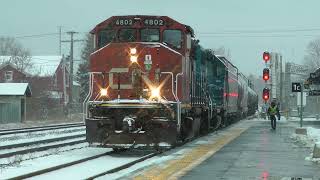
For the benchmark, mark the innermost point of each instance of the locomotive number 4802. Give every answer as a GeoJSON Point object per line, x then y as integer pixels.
{"type": "Point", "coordinates": [153, 22]}
{"type": "Point", "coordinates": [124, 22]}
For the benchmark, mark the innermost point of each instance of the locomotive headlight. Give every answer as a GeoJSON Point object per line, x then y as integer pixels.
{"type": "Point", "coordinates": [134, 59]}
{"type": "Point", "coordinates": [155, 92]}
{"type": "Point", "coordinates": [103, 92]}
{"type": "Point", "coordinates": [133, 51]}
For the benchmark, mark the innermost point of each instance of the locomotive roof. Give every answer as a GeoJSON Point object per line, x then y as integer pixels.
{"type": "Point", "coordinates": [223, 58]}
{"type": "Point", "coordinates": [103, 23]}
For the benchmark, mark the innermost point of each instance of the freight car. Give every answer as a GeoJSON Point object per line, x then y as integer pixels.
{"type": "Point", "coordinates": [152, 84]}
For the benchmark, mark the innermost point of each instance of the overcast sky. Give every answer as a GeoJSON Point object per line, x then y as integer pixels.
{"type": "Point", "coordinates": [287, 25]}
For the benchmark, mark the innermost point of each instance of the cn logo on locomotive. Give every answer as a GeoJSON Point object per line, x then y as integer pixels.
{"type": "Point", "coordinates": [118, 70]}
{"type": "Point", "coordinates": [124, 86]}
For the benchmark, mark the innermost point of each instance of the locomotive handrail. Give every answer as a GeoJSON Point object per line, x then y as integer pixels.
{"type": "Point", "coordinates": [85, 109]}
{"type": "Point", "coordinates": [84, 104]}
{"type": "Point", "coordinates": [172, 84]}
{"type": "Point", "coordinates": [179, 74]}
{"type": "Point", "coordinates": [177, 99]}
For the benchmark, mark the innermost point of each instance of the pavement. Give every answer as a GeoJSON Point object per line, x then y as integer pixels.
{"type": "Point", "coordinates": [259, 153]}
{"type": "Point", "coordinates": [246, 150]}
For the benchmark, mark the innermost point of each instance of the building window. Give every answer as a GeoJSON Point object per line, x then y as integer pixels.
{"type": "Point", "coordinates": [8, 76]}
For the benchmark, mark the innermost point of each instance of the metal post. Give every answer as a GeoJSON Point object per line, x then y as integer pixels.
{"type": "Point", "coordinates": [71, 68]}
{"type": "Point", "coordinates": [60, 31]}
{"type": "Point", "coordinates": [64, 80]}
{"type": "Point", "coordinates": [301, 104]}
{"type": "Point", "coordinates": [71, 33]}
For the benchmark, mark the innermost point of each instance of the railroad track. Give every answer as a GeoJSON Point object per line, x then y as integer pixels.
{"type": "Point", "coordinates": [80, 162]}
{"type": "Point", "coordinates": [29, 147]}
{"type": "Point", "coordinates": [109, 158]}
{"type": "Point", "coordinates": [40, 128]}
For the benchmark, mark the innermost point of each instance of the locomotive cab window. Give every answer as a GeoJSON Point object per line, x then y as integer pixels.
{"type": "Point", "coordinates": [150, 35]}
{"type": "Point", "coordinates": [127, 35]}
{"type": "Point", "coordinates": [105, 37]}
{"type": "Point", "coordinates": [173, 38]}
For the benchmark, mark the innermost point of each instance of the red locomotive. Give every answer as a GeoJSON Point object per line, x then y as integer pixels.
{"type": "Point", "coordinates": [152, 84]}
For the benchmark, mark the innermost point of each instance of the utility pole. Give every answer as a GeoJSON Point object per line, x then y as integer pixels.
{"type": "Point", "coordinates": [60, 31]}
{"type": "Point", "coordinates": [301, 104]}
{"type": "Point", "coordinates": [71, 33]}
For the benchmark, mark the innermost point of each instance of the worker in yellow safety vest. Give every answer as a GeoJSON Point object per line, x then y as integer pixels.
{"type": "Point", "coordinates": [273, 111]}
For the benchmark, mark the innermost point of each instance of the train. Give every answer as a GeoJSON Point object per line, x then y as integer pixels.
{"type": "Point", "coordinates": [151, 84]}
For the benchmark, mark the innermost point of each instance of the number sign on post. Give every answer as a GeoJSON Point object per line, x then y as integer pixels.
{"type": "Point", "coordinates": [296, 87]}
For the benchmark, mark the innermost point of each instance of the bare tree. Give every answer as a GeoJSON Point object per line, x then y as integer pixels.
{"type": "Point", "coordinates": [82, 73]}
{"type": "Point", "coordinates": [312, 58]}
{"type": "Point", "coordinates": [19, 56]}
{"type": "Point", "coordinates": [223, 51]}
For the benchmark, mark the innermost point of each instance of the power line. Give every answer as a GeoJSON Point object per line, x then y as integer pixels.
{"type": "Point", "coordinates": [257, 36]}
{"type": "Point", "coordinates": [262, 31]}
{"type": "Point", "coordinates": [248, 31]}
{"type": "Point", "coordinates": [36, 35]}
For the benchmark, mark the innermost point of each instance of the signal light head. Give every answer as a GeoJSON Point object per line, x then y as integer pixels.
{"type": "Point", "coordinates": [265, 94]}
{"type": "Point", "coordinates": [266, 74]}
{"type": "Point", "coordinates": [266, 56]}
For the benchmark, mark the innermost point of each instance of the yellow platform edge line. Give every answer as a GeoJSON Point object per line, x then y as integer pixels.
{"type": "Point", "coordinates": [177, 168]}
{"type": "Point", "coordinates": [211, 152]}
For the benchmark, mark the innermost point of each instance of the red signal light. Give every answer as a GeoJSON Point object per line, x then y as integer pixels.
{"type": "Point", "coordinates": [266, 74]}
{"type": "Point", "coordinates": [266, 56]}
{"type": "Point", "coordinates": [266, 94]}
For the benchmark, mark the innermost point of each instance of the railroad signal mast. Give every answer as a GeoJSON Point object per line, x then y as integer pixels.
{"type": "Point", "coordinates": [266, 56]}
{"type": "Point", "coordinates": [266, 74]}
{"type": "Point", "coordinates": [266, 77]}
{"type": "Point", "coordinates": [266, 94]}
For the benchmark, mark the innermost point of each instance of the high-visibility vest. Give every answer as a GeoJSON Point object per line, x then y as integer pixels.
{"type": "Point", "coordinates": [273, 110]}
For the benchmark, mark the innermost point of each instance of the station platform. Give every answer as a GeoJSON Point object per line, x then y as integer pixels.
{"type": "Point", "coordinates": [249, 149]}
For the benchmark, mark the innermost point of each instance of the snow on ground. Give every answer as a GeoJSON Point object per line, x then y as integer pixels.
{"type": "Point", "coordinates": [39, 135]}
{"type": "Point", "coordinates": [17, 159]}
{"type": "Point", "coordinates": [309, 140]}
{"type": "Point", "coordinates": [304, 119]}
{"type": "Point", "coordinates": [89, 168]}
{"type": "Point", "coordinates": [50, 161]}
{"type": "Point", "coordinates": [4, 151]}
{"type": "Point", "coordinates": [38, 123]}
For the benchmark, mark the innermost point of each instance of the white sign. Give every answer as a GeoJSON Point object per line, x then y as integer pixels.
{"type": "Point", "coordinates": [304, 99]}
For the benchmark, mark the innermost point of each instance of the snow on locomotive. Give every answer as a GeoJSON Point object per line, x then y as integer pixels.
{"type": "Point", "coordinates": [152, 84]}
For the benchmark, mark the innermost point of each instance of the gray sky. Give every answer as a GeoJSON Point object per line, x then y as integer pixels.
{"type": "Point", "coordinates": [279, 18]}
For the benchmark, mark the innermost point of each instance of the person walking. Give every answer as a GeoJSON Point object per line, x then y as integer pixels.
{"type": "Point", "coordinates": [273, 111]}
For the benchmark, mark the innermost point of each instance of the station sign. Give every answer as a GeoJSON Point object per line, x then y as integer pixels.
{"type": "Point", "coordinates": [296, 87]}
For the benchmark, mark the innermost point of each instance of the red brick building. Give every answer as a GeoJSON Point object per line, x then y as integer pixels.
{"type": "Point", "coordinates": [48, 78]}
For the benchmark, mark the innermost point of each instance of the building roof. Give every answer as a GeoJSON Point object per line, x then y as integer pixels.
{"type": "Point", "coordinates": [41, 65]}
{"type": "Point", "coordinates": [15, 89]}
{"type": "Point", "coordinates": [7, 63]}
